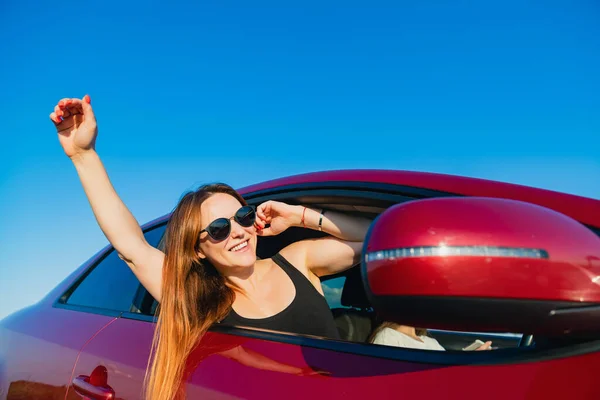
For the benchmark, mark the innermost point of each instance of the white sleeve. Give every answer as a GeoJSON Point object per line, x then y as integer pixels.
{"type": "Point", "coordinates": [383, 337]}
{"type": "Point", "coordinates": [390, 337]}
{"type": "Point", "coordinates": [433, 344]}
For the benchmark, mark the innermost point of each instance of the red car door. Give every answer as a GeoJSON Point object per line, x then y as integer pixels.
{"type": "Point", "coordinates": [241, 363]}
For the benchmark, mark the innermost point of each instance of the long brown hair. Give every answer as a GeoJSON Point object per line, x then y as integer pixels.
{"type": "Point", "coordinates": [194, 296]}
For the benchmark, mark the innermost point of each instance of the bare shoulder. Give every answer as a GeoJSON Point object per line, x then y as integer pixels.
{"type": "Point", "coordinates": [295, 254]}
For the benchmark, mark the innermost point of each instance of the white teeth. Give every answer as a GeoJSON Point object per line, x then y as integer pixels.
{"type": "Point", "coordinates": [239, 246]}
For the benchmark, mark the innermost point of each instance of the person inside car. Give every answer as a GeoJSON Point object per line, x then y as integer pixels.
{"type": "Point", "coordinates": [209, 271]}
{"type": "Point", "coordinates": [397, 335]}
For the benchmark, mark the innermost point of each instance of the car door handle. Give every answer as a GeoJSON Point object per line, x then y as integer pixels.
{"type": "Point", "coordinates": [83, 387]}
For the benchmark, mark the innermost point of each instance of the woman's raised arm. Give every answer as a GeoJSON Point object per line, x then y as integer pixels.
{"type": "Point", "coordinates": [77, 130]}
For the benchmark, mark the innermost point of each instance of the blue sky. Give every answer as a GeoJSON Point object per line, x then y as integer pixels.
{"type": "Point", "coordinates": [247, 91]}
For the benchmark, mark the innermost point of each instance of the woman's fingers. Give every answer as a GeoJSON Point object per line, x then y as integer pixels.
{"type": "Point", "coordinates": [86, 107]}
{"type": "Point", "coordinates": [264, 210]}
{"type": "Point", "coordinates": [71, 107]}
{"type": "Point", "coordinates": [259, 223]}
{"type": "Point", "coordinates": [485, 346]}
{"type": "Point", "coordinates": [54, 118]}
{"type": "Point", "coordinates": [73, 110]}
{"type": "Point", "coordinates": [68, 107]}
{"type": "Point", "coordinates": [63, 102]}
{"type": "Point", "coordinates": [263, 217]}
{"type": "Point", "coordinates": [265, 232]}
{"type": "Point", "coordinates": [74, 106]}
{"type": "Point", "coordinates": [58, 111]}
{"type": "Point", "coordinates": [66, 112]}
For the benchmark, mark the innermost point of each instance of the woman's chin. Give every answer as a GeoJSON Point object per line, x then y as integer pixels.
{"type": "Point", "coordinates": [243, 259]}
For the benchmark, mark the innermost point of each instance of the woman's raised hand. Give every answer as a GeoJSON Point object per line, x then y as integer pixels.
{"type": "Point", "coordinates": [76, 125]}
{"type": "Point", "coordinates": [278, 215]}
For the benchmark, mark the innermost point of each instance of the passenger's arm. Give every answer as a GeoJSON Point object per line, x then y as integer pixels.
{"type": "Point", "coordinates": [77, 130]}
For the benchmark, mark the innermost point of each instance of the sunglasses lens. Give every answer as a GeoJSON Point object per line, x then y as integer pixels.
{"type": "Point", "coordinates": [246, 216]}
{"type": "Point", "coordinates": [219, 229]}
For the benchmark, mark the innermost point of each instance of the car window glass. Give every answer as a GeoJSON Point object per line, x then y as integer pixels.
{"type": "Point", "coordinates": [332, 289]}
{"type": "Point", "coordinates": [154, 236]}
{"type": "Point", "coordinates": [111, 285]}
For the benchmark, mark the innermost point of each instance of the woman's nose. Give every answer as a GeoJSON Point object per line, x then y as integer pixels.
{"type": "Point", "coordinates": [236, 229]}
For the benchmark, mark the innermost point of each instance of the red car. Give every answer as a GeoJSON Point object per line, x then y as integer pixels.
{"type": "Point", "coordinates": [466, 258]}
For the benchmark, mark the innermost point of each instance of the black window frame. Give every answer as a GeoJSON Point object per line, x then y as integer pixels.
{"type": "Point", "coordinates": [62, 300]}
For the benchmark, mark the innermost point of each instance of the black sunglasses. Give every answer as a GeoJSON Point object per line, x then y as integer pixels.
{"type": "Point", "coordinates": [220, 228]}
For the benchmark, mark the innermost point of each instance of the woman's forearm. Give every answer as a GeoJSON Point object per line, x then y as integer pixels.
{"type": "Point", "coordinates": [115, 220]}
{"type": "Point", "coordinates": [339, 225]}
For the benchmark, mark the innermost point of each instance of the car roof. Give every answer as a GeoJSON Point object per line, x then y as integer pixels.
{"type": "Point", "coordinates": [583, 209]}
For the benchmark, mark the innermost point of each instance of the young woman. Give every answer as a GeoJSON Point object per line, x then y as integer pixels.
{"type": "Point", "coordinates": [209, 272]}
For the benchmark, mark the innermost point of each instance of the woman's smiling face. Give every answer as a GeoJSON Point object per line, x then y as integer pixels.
{"type": "Point", "coordinates": [238, 249]}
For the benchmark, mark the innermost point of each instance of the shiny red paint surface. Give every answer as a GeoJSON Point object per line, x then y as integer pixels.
{"type": "Point", "coordinates": [567, 275]}
{"type": "Point", "coordinates": [361, 377]}
{"type": "Point", "coordinates": [123, 348]}
{"type": "Point", "coordinates": [40, 346]}
{"type": "Point", "coordinates": [484, 277]}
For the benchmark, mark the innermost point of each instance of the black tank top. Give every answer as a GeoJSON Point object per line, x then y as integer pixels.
{"type": "Point", "coordinates": [307, 314]}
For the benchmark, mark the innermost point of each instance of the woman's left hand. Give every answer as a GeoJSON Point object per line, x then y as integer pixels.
{"type": "Point", "coordinates": [278, 215]}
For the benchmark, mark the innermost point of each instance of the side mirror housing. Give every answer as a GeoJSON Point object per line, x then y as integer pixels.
{"type": "Point", "coordinates": [483, 264]}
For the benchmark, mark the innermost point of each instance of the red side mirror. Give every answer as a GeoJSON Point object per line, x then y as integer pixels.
{"type": "Point", "coordinates": [483, 264]}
